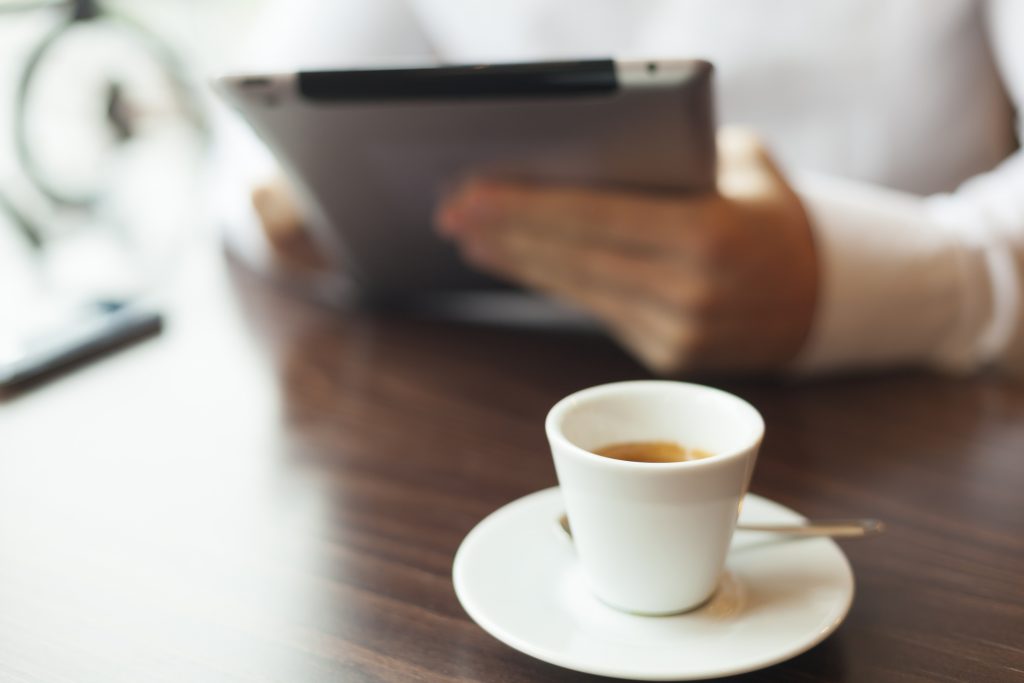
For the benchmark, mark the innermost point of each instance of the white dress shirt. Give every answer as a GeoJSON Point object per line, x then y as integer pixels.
{"type": "Point", "coordinates": [894, 119]}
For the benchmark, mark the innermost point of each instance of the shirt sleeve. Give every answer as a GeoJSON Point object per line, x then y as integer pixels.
{"type": "Point", "coordinates": [924, 280]}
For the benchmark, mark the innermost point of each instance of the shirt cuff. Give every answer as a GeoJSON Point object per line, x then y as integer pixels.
{"type": "Point", "coordinates": [897, 287]}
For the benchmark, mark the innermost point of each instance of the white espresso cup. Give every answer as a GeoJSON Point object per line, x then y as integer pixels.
{"type": "Point", "coordinates": [652, 537]}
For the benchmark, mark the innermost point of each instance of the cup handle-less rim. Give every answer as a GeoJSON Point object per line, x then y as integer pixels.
{"type": "Point", "coordinates": [553, 426]}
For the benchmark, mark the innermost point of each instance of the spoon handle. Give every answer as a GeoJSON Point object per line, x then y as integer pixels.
{"type": "Point", "coordinates": [836, 528]}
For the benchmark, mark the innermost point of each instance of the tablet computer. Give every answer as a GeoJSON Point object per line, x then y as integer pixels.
{"type": "Point", "coordinates": [370, 152]}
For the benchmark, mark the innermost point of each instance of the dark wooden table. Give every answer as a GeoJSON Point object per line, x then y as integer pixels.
{"type": "Point", "coordinates": [268, 492]}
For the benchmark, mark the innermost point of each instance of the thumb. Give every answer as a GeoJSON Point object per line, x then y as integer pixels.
{"type": "Point", "coordinates": [745, 167]}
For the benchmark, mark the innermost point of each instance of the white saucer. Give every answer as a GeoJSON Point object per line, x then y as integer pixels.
{"type": "Point", "coordinates": [779, 597]}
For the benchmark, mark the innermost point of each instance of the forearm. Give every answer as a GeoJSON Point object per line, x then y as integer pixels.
{"type": "Point", "coordinates": [913, 280]}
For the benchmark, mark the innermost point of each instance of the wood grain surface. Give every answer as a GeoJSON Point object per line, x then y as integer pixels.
{"type": "Point", "coordinates": [271, 492]}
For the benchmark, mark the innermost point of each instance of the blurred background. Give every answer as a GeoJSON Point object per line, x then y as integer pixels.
{"type": "Point", "coordinates": [105, 152]}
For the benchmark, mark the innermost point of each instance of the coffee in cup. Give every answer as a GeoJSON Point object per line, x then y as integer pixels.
{"type": "Point", "coordinates": [651, 451]}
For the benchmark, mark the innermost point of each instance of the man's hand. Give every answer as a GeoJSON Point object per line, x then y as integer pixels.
{"type": "Point", "coordinates": [723, 281]}
{"type": "Point", "coordinates": [279, 217]}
